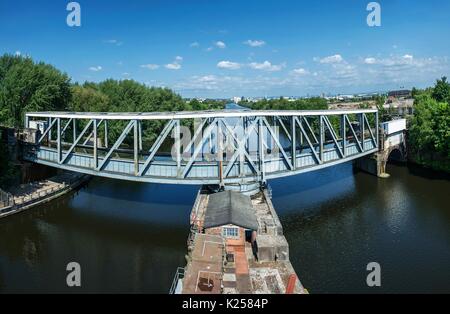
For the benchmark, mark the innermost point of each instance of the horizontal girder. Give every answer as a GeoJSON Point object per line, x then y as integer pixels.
{"type": "Point", "coordinates": [193, 114]}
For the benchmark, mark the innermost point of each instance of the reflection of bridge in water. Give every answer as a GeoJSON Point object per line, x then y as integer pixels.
{"type": "Point", "coordinates": [226, 147]}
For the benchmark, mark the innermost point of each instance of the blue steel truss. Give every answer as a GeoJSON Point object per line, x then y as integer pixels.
{"type": "Point", "coordinates": [258, 145]}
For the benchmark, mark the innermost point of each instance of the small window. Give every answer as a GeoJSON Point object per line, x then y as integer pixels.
{"type": "Point", "coordinates": [230, 232]}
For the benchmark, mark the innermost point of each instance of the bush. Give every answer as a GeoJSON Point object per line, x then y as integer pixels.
{"type": "Point", "coordinates": [429, 131]}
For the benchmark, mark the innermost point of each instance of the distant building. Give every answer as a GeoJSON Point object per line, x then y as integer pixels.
{"type": "Point", "coordinates": [399, 94]}
{"type": "Point", "coordinates": [237, 99]}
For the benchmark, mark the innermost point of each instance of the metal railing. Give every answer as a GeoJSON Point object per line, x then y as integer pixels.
{"type": "Point", "coordinates": [178, 275]}
{"type": "Point", "coordinates": [24, 199]}
{"type": "Point", "coordinates": [6, 200]}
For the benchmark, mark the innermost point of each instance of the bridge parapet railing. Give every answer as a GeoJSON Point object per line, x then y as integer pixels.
{"type": "Point", "coordinates": [41, 193]}
{"type": "Point", "coordinates": [6, 200]}
{"type": "Point", "coordinates": [215, 147]}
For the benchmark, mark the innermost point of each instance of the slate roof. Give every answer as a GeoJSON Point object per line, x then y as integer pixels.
{"type": "Point", "coordinates": [230, 208]}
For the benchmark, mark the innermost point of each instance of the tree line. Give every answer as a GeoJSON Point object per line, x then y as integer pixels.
{"type": "Point", "coordinates": [429, 127]}
{"type": "Point", "coordinates": [315, 103]}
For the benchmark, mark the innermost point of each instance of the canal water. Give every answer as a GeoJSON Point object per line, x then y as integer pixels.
{"type": "Point", "coordinates": [131, 237]}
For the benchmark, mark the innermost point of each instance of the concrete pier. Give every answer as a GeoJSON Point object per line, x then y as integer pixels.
{"type": "Point", "coordinates": [392, 146]}
{"type": "Point", "coordinates": [374, 164]}
{"type": "Point", "coordinates": [249, 262]}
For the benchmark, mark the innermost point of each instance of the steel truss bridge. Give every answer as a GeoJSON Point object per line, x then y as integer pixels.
{"type": "Point", "coordinates": [229, 147]}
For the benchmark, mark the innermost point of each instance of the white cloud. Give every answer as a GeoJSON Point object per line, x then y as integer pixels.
{"type": "Point", "coordinates": [255, 43]}
{"type": "Point", "coordinates": [370, 60]}
{"type": "Point", "coordinates": [330, 59]}
{"type": "Point", "coordinates": [408, 57]}
{"type": "Point", "coordinates": [300, 71]}
{"type": "Point", "coordinates": [18, 53]}
{"type": "Point", "coordinates": [173, 66]}
{"type": "Point", "coordinates": [209, 49]}
{"type": "Point", "coordinates": [206, 78]}
{"type": "Point", "coordinates": [266, 66]}
{"type": "Point", "coordinates": [176, 64]}
{"type": "Point", "coordinates": [211, 83]}
{"type": "Point", "coordinates": [96, 68]}
{"type": "Point", "coordinates": [150, 66]}
{"type": "Point", "coordinates": [393, 61]}
{"type": "Point", "coordinates": [389, 71]}
{"type": "Point", "coordinates": [347, 76]}
{"type": "Point", "coordinates": [228, 65]}
{"type": "Point", "coordinates": [194, 44]}
{"type": "Point", "coordinates": [220, 44]}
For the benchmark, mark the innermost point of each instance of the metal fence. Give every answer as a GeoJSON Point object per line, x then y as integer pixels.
{"type": "Point", "coordinates": [22, 200]}
{"type": "Point", "coordinates": [178, 275]}
{"type": "Point", "coordinates": [6, 200]}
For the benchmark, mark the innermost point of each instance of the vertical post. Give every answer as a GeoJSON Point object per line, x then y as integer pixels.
{"type": "Point", "coordinates": [245, 130]}
{"type": "Point", "coordinates": [136, 148]}
{"type": "Point", "coordinates": [95, 145]}
{"type": "Point", "coordinates": [50, 131]}
{"type": "Point", "coordinates": [177, 145]}
{"type": "Point", "coordinates": [377, 129]}
{"type": "Point", "coordinates": [106, 132]}
{"type": "Point", "coordinates": [219, 142]}
{"type": "Point", "coordinates": [241, 155]}
{"type": "Point", "coordinates": [344, 135]}
{"type": "Point", "coordinates": [261, 150]}
{"type": "Point", "coordinates": [27, 121]}
{"type": "Point", "coordinates": [74, 129]}
{"type": "Point", "coordinates": [58, 138]}
{"type": "Point", "coordinates": [294, 144]}
{"type": "Point", "coordinates": [140, 133]}
{"type": "Point", "coordinates": [300, 120]}
{"type": "Point", "coordinates": [362, 129]}
{"type": "Point", "coordinates": [321, 138]}
{"type": "Point", "coordinates": [210, 138]}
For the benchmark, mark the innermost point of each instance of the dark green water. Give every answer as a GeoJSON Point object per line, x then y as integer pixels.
{"type": "Point", "coordinates": [130, 237]}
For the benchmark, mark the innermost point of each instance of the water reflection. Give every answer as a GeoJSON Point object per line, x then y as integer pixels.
{"type": "Point", "coordinates": [336, 227]}
{"type": "Point", "coordinates": [123, 236]}
{"type": "Point", "coordinates": [130, 237]}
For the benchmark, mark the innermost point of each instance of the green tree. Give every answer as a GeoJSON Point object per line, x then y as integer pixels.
{"type": "Point", "coordinates": [441, 90]}
{"type": "Point", "coordinates": [88, 99]}
{"type": "Point", "coordinates": [429, 130]}
{"type": "Point", "coordinates": [29, 86]}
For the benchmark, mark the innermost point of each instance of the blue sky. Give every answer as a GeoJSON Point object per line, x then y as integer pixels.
{"type": "Point", "coordinates": [237, 47]}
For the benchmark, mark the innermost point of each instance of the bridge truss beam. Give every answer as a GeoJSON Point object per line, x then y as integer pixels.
{"type": "Point", "coordinates": [226, 147]}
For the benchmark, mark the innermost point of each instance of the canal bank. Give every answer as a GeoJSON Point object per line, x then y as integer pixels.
{"type": "Point", "coordinates": [130, 237]}
{"type": "Point", "coordinates": [29, 195]}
